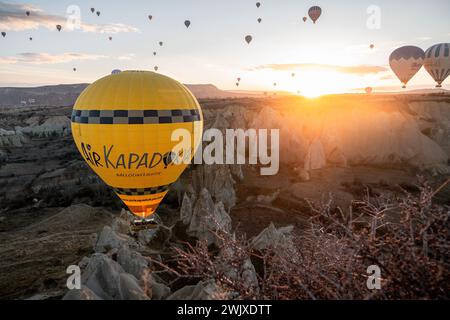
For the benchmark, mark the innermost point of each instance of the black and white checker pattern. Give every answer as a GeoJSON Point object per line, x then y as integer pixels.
{"type": "Point", "coordinates": [135, 116]}
{"type": "Point", "coordinates": [141, 191]}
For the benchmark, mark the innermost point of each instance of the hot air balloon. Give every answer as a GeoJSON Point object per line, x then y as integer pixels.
{"type": "Point", "coordinates": [156, 68]}
{"type": "Point", "coordinates": [437, 62]}
{"type": "Point", "coordinates": [237, 84]}
{"type": "Point", "coordinates": [314, 13]}
{"type": "Point", "coordinates": [58, 27]}
{"type": "Point", "coordinates": [98, 13]}
{"type": "Point", "coordinates": [187, 23]}
{"type": "Point", "coordinates": [31, 38]}
{"type": "Point", "coordinates": [372, 46]}
{"type": "Point", "coordinates": [74, 69]}
{"type": "Point", "coordinates": [368, 90]}
{"type": "Point", "coordinates": [239, 79]}
{"type": "Point", "coordinates": [27, 13]}
{"type": "Point", "coordinates": [304, 19]}
{"type": "Point", "coordinates": [116, 71]}
{"type": "Point", "coordinates": [154, 53]}
{"type": "Point", "coordinates": [92, 10]}
{"type": "Point", "coordinates": [122, 125]}
{"type": "Point", "coordinates": [3, 34]}
{"type": "Point", "coordinates": [258, 4]}
{"type": "Point", "coordinates": [406, 62]}
{"type": "Point", "coordinates": [274, 84]}
{"type": "Point", "coordinates": [161, 43]}
{"type": "Point", "coordinates": [150, 17]}
{"type": "Point", "coordinates": [293, 74]}
{"type": "Point", "coordinates": [248, 39]}
{"type": "Point", "coordinates": [259, 20]}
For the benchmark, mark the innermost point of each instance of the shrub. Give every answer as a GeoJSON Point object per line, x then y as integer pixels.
{"type": "Point", "coordinates": [407, 237]}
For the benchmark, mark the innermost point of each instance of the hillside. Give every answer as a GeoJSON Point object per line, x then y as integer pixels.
{"type": "Point", "coordinates": [65, 95]}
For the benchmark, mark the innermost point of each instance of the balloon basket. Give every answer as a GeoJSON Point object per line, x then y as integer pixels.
{"type": "Point", "coordinates": [142, 224]}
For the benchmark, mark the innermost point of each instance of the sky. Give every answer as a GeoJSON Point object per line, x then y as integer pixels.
{"type": "Point", "coordinates": [331, 56]}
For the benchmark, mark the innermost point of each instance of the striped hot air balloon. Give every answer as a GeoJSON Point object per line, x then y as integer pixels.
{"type": "Point", "coordinates": [405, 62]}
{"type": "Point", "coordinates": [437, 62]}
{"type": "Point", "coordinates": [314, 13]}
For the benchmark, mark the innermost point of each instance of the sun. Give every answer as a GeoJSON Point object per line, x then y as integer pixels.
{"type": "Point", "coordinates": [314, 83]}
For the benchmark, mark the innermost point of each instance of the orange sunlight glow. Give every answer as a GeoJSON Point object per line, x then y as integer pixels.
{"type": "Point", "coordinates": [315, 83]}
{"type": "Point", "coordinates": [311, 82]}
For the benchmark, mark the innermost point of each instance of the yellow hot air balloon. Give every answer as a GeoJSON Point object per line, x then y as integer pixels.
{"type": "Point", "coordinates": [122, 125]}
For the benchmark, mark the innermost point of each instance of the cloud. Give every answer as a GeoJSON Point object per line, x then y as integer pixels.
{"type": "Point", "coordinates": [46, 58]}
{"type": "Point", "coordinates": [13, 18]}
{"type": "Point", "coordinates": [358, 69]}
{"type": "Point", "coordinates": [388, 77]}
{"type": "Point", "coordinates": [128, 56]}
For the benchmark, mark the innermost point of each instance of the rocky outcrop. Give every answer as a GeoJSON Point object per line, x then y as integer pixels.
{"type": "Point", "coordinates": [208, 217]}
{"type": "Point", "coordinates": [376, 134]}
{"type": "Point", "coordinates": [273, 237]}
{"type": "Point", "coordinates": [53, 126]}
{"type": "Point", "coordinates": [109, 240]}
{"type": "Point", "coordinates": [204, 290]}
{"type": "Point", "coordinates": [12, 138]}
{"type": "Point", "coordinates": [218, 180]}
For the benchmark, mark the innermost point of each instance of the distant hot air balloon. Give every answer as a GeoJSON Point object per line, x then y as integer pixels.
{"type": "Point", "coordinates": [259, 20]}
{"type": "Point", "coordinates": [92, 10]}
{"type": "Point", "coordinates": [31, 38]}
{"type": "Point", "coordinates": [237, 84]}
{"type": "Point", "coordinates": [110, 38]}
{"type": "Point", "coordinates": [161, 43]}
{"type": "Point", "coordinates": [187, 23]}
{"type": "Point", "coordinates": [372, 46]}
{"type": "Point", "coordinates": [258, 4]}
{"type": "Point", "coordinates": [3, 34]}
{"type": "Point", "coordinates": [248, 39]}
{"type": "Point", "coordinates": [98, 13]}
{"type": "Point", "coordinates": [293, 74]}
{"type": "Point", "coordinates": [437, 62]}
{"type": "Point", "coordinates": [304, 19]}
{"type": "Point", "coordinates": [274, 84]}
{"type": "Point", "coordinates": [150, 17]}
{"type": "Point", "coordinates": [154, 53]}
{"type": "Point", "coordinates": [156, 68]}
{"type": "Point", "coordinates": [74, 69]}
{"type": "Point", "coordinates": [314, 13]}
{"type": "Point", "coordinates": [58, 27]}
{"type": "Point", "coordinates": [127, 141]}
{"type": "Point", "coordinates": [28, 13]}
{"type": "Point", "coordinates": [116, 71]}
{"type": "Point", "coordinates": [239, 79]}
{"type": "Point", "coordinates": [406, 62]}
{"type": "Point", "coordinates": [368, 90]}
